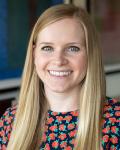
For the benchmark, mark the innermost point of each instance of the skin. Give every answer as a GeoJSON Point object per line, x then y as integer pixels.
{"type": "Point", "coordinates": [61, 63]}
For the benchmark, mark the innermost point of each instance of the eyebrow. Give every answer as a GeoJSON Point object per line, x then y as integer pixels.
{"type": "Point", "coordinates": [46, 43]}
{"type": "Point", "coordinates": [66, 44]}
{"type": "Point", "coordinates": [74, 43]}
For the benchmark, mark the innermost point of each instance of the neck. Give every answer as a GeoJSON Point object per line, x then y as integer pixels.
{"type": "Point", "coordinates": [63, 102]}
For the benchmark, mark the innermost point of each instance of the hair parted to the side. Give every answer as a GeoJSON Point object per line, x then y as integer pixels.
{"type": "Point", "coordinates": [32, 107]}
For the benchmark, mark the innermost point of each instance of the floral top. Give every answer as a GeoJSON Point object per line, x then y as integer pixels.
{"type": "Point", "coordinates": [61, 128]}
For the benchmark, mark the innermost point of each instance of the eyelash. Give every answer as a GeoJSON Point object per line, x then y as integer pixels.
{"type": "Point", "coordinates": [70, 49]}
{"type": "Point", "coordinates": [73, 49]}
{"type": "Point", "coordinates": [47, 48]}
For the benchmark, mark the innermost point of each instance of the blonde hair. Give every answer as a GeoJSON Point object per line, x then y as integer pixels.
{"type": "Point", "coordinates": [31, 111]}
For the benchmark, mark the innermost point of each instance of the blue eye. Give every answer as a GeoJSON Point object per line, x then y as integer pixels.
{"type": "Point", "coordinates": [47, 48]}
{"type": "Point", "coordinates": [73, 49]}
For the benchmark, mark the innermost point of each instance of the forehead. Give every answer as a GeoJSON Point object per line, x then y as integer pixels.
{"type": "Point", "coordinates": [66, 29]}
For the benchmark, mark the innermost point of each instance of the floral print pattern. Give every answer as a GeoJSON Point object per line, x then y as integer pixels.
{"type": "Point", "coordinates": [61, 128]}
{"type": "Point", "coordinates": [111, 125]}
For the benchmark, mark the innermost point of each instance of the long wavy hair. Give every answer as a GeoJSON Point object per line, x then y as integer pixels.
{"type": "Point", "coordinates": [32, 108]}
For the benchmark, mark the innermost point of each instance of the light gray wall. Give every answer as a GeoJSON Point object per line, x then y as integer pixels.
{"type": "Point", "coordinates": [113, 84]}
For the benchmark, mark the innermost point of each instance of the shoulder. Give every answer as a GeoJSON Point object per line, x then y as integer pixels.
{"type": "Point", "coordinates": [9, 115]}
{"type": "Point", "coordinates": [111, 123]}
{"type": "Point", "coordinates": [111, 101]}
{"type": "Point", "coordinates": [6, 122]}
{"type": "Point", "coordinates": [111, 108]}
{"type": "Point", "coordinates": [10, 111]}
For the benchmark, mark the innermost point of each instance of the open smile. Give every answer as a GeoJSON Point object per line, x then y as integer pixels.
{"type": "Point", "coordinates": [59, 73]}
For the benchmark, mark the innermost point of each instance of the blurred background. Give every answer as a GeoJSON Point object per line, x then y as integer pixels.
{"type": "Point", "coordinates": [16, 21]}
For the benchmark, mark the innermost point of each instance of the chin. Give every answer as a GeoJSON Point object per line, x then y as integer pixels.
{"type": "Point", "coordinates": [59, 90]}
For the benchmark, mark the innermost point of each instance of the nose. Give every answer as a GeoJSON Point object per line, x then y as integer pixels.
{"type": "Point", "coordinates": [59, 58]}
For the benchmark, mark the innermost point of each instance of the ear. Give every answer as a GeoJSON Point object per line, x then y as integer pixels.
{"type": "Point", "coordinates": [33, 47]}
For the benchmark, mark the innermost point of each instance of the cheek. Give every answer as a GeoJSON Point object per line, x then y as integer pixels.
{"type": "Point", "coordinates": [39, 66]}
{"type": "Point", "coordinates": [81, 70]}
{"type": "Point", "coordinates": [81, 64]}
{"type": "Point", "coordinates": [39, 63]}
{"type": "Point", "coordinates": [38, 59]}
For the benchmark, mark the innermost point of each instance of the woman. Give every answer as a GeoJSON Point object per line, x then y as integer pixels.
{"type": "Point", "coordinates": [62, 102]}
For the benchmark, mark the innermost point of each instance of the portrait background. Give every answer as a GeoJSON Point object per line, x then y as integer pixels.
{"type": "Point", "coordinates": [17, 18]}
{"type": "Point", "coordinates": [106, 15]}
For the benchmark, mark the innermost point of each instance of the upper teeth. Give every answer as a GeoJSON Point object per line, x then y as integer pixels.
{"type": "Point", "coordinates": [60, 73]}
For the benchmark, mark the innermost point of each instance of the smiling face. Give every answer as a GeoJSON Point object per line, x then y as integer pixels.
{"type": "Point", "coordinates": [60, 55]}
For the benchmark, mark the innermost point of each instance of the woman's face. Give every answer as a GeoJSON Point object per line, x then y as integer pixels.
{"type": "Point", "coordinates": [60, 55]}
